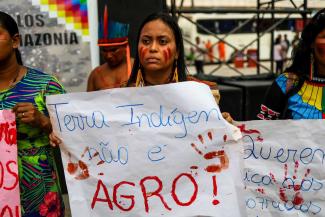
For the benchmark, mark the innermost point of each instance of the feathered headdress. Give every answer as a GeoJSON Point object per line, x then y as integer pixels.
{"type": "Point", "coordinates": [112, 33]}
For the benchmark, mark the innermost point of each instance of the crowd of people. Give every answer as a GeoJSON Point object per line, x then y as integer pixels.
{"type": "Point", "coordinates": [281, 50]}
{"type": "Point", "coordinates": [206, 52]}
{"type": "Point", "coordinates": [159, 59]}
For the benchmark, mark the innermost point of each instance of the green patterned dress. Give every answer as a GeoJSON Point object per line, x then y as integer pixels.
{"type": "Point", "coordinates": [40, 192]}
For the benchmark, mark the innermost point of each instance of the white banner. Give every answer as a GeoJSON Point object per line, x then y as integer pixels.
{"type": "Point", "coordinates": [151, 151]}
{"type": "Point", "coordinates": [284, 168]}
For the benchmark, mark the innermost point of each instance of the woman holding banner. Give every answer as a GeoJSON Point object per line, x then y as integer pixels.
{"type": "Point", "coordinates": [160, 57]}
{"type": "Point", "coordinates": [23, 90]}
{"type": "Point", "coordinates": [299, 93]}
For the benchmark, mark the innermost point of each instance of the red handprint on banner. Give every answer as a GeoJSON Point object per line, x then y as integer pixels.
{"type": "Point", "coordinates": [216, 154]}
{"type": "Point", "coordinates": [290, 184]}
{"type": "Point", "coordinates": [221, 155]}
{"type": "Point", "coordinates": [81, 167]}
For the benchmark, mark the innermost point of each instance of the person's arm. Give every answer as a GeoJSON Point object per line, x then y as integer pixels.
{"type": "Point", "coordinates": [91, 82]}
{"type": "Point", "coordinates": [37, 115]}
{"type": "Point", "coordinates": [29, 114]}
{"type": "Point", "coordinates": [54, 139]}
{"type": "Point", "coordinates": [276, 98]}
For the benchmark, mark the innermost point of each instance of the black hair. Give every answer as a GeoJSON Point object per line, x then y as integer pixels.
{"type": "Point", "coordinates": [169, 21]}
{"type": "Point", "coordinates": [9, 24]}
{"type": "Point", "coordinates": [277, 40]}
{"type": "Point", "coordinates": [302, 54]}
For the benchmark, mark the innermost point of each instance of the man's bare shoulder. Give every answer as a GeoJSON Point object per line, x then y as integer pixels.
{"type": "Point", "coordinates": [98, 70]}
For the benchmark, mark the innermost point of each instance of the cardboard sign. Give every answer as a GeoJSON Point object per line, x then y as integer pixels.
{"type": "Point", "coordinates": [9, 181]}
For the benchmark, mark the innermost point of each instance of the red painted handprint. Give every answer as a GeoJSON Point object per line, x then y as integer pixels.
{"type": "Point", "coordinates": [290, 184]}
{"type": "Point", "coordinates": [80, 166]}
{"type": "Point", "coordinates": [220, 154]}
{"type": "Point", "coordinates": [213, 167]}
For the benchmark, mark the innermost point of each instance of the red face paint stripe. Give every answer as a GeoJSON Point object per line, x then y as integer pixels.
{"type": "Point", "coordinates": [320, 48]}
{"type": "Point", "coordinates": [166, 55]}
{"type": "Point", "coordinates": [169, 52]}
{"type": "Point", "coordinates": [143, 52]}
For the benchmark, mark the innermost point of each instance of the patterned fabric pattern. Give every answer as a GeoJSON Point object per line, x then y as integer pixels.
{"type": "Point", "coordinates": [267, 113]}
{"type": "Point", "coordinates": [39, 185]}
{"type": "Point", "coordinates": [307, 103]}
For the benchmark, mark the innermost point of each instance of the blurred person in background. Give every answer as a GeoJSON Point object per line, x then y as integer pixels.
{"type": "Point", "coordinates": [200, 52]}
{"type": "Point", "coordinates": [295, 41]}
{"type": "Point", "coordinates": [285, 48]}
{"type": "Point", "coordinates": [299, 92]}
{"type": "Point", "coordinates": [209, 48]}
{"type": "Point", "coordinates": [222, 51]}
{"type": "Point", "coordinates": [115, 51]}
{"type": "Point", "coordinates": [278, 55]}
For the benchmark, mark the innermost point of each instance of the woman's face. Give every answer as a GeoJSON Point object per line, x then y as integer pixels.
{"type": "Point", "coordinates": [157, 48]}
{"type": "Point", "coordinates": [320, 47]}
{"type": "Point", "coordinates": [7, 44]}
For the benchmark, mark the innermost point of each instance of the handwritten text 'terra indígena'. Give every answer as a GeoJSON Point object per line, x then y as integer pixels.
{"type": "Point", "coordinates": [135, 116]}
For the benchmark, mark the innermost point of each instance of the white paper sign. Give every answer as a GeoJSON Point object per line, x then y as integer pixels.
{"type": "Point", "coordinates": [284, 168]}
{"type": "Point", "coordinates": [151, 151]}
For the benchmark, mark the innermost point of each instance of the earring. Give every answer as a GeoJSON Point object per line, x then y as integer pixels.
{"type": "Point", "coordinates": [139, 81]}
{"type": "Point", "coordinates": [175, 77]}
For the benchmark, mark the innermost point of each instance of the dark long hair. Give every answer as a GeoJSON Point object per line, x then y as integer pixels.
{"type": "Point", "coordinates": [9, 24]}
{"type": "Point", "coordinates": [302, 54]}
{"type": "Point", "coordinates": [169, 21]}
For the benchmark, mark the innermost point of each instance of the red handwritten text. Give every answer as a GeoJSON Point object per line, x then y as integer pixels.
{"type": "Point", "coordinates": [146, 194]}
{"type": "Point", "coordinates": [8, 133]}
{"type": "Point", "coordinates": [5, 172]}
{"type": "Point", "coordinates": [7, 211]}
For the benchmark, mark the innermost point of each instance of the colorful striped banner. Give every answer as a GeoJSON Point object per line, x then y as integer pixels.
{"type": "Point", "coordinates": [72, 13]}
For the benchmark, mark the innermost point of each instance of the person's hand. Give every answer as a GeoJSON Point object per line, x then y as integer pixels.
{"type": "Point", "coordinates": [227, 117]}
{"type": "Point", "coordinates": [27, 113]}
{"type": "Point", "coordinates": [54, 139]}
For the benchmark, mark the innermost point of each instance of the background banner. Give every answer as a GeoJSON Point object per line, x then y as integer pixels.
{"type": "Point", "coordinates": [54, 38]}
{"type": "Point", "coordinates": [9, 182]}
{"type": "Point", "coordinates": [140, 152]}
